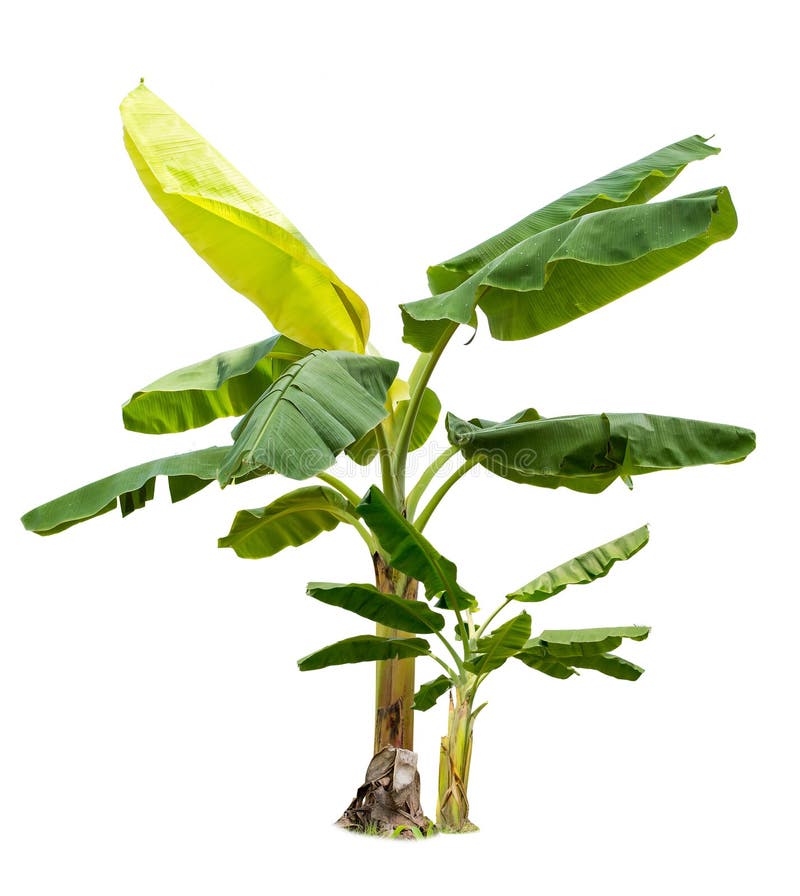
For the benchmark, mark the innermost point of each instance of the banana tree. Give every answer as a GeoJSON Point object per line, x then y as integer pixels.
{"type": "Point", "coordinates": [317, 388]}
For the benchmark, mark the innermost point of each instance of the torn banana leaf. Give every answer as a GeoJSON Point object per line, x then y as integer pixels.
{"type": "Point", "coordinates": [586, 453]}
{"type": "Point", "coordinates": [132, 488]}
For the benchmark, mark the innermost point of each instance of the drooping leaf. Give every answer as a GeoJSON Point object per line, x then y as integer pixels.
{"type": "Point", "coordinates": [364, 649]}
{"type": "Point", "coordinates": [565, 644]}
{"type": "Point", "coordinates": [429, 693]}
{"type": "Point", "coordinates": [315, 409]}
{"type": "Point", "coordinates": [291, 520]}
{"type": "Point", "coordinates": [387, 609]}
{"type": "Point", "coordinates": [588, 452]}
{"type": "Point", "coordinates": [223, 386]}
{"type": "Point", "coordinates": [584, 568]}
{"type": "Point", "coordinates": [365, 449]}
{"type": "Point", "coordinates": [410, 552]}
{"type": "Point", "coordinates": [504, 642]}
{"type": "Point", "coordinates": [567, 271]}
{"type": "Point", "coordinates": [187, 474]}
{"type": "Point", "coordinates": [632, 184]}
{"type": "Point", "coordinates": [608, 664]}
{"type": "Point", "coordinates": [238, 231]}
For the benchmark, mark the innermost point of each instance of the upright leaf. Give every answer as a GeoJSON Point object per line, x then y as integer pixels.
{"type": "Point", "coordinates": [133, 488]}
{"type": "Point", "coordinates": [588, 452]}
{"type": "Point", "coordinates": [504, 642]}
{"type": "Point", "coordinates": [387, 609]}
{"type": "Point", "coordinates": [238, 231]}
{"type": "Point", "coordinates": [223, 386]}
{"type": "Point", "coordinates": [410, 552]}
{"type": "Point", "coordinates": [315, 409]}
{"type": "Point", "coordinates": [632, 184]}
{"type": "Point", "coordinates": [584, 568]}
{"type": "Point", "coordinates": [567, 271]}
{"type": "Point", "coordinates": [291, 520]}
{"type": "Point", "coordinates": [364, 649]}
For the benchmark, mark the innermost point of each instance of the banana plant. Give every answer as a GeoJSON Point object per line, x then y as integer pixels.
{"type": "Point", "coordinates": [472, 654]}
{"type": "Point", "coordinates": [315, 388]}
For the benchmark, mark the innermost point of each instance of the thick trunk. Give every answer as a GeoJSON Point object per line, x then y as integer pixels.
{"type": "Point", "coordinates": [394, 679]}
{"type": "Point", "coordinates": [452, 809]}
{"type": "Point", "coordinates": [389, 797]}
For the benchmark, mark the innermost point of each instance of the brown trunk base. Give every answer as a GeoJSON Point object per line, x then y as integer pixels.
{"type": "Point", "coordinates": [389, 797]}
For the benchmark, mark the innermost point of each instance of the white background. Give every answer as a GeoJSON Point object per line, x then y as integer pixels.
{"type": "Point", "coordinates": [156, 735]}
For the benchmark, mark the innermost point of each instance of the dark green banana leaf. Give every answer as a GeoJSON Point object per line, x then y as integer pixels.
{"type": "Point", "coordinates": [567, 271]}
{"type": "Point", "coordinates": [632, 184]}
{"type": "Point", "coordinates": [607, 663]}
{"type": "Point", "coordinates": [410, 552]}
{"type": "Point", "coordinates": [319, 406]}
{"type": "Point", "coordinates": [226, 385]}
{"type": "Point", "coordinates": [584, 568]}
{"type": "Point", "coordinates": [364, 649]}
{"type": "Point", "coordinates": [504, 642]}
{"type": "Point", "coordinates": [291, 520]}
{"type": "Point", "coordinates": [588, 452]}
{"type": "Point", "coordinates": [565, 644]}
{"type": "Point", "coordinates": [387, 609]}
{"type": "Point", "coordinates": [187, 474]}
{"type": "Point", "coordinates": [429, 693]}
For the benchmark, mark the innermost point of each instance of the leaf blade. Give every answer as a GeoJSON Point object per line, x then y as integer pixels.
{"type": "Point", "coordinates": [292, 520]}
{"type": "Point", "coordinates": [237, 231]}
{"type": "Point", "coordinates": [584, 568]}
{"type": "Point", "coordinates": [587, 452]}
{"type": "Point", "coordinates": [410, 551]}
{"type": "Point", "coordinates": [132, 488]}
{"type": "Point", "coordinates": [563, 273]}
{"type": "Point", "coordinates": [429, 693]}
{"type": "Point", "coordinates": [314, 410]}
{"type": "Point", "coordinates": [363, 649]}
{"type": "Point", "coordinates": [634, 183]}
{"type": "Point", "coordinates": [387, 609]}
{"type": "Point", "coordinates": [226, 385]}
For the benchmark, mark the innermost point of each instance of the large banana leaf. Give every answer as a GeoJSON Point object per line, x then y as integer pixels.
{"type": "Point", "coordinates": [410, 552]}
{"type": "Point", "coordinates": [223, 386]}
{"type": "Point", "coordinates": [632, 184]}
{"type": "Point", "coordinates": [584, 568]}
{"type": "Point", "coordinates": [364, 649]}
{"type": "Point", "coordinates": [588, 452]}
{"type": "Point", "coordinates": [315, 409]}
{"type": "Point", "coordinates": [291, 520]}
{"type": "Point", "coordinates": [504, 642]}
{"type": "Point", "coordinates": [564, 644]}
{"type": "Point", "coordinates": [429, 693]}
{"type": "Point", "coordinates": [387, 609]}
{"type": "Point", "coordinates": [187, 473]}
{"type": "Point", "coordinates": [238, 231]}
{"type": "Point", "coordinates": [560, 653]}
{"type": "Point", "coordinates": [567, 271]}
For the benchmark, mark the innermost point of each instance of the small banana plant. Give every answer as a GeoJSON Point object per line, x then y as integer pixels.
{"type": "Point", "coordinates": [474, 651]}
{"type": "Point", "coordinates": [316, 388]}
